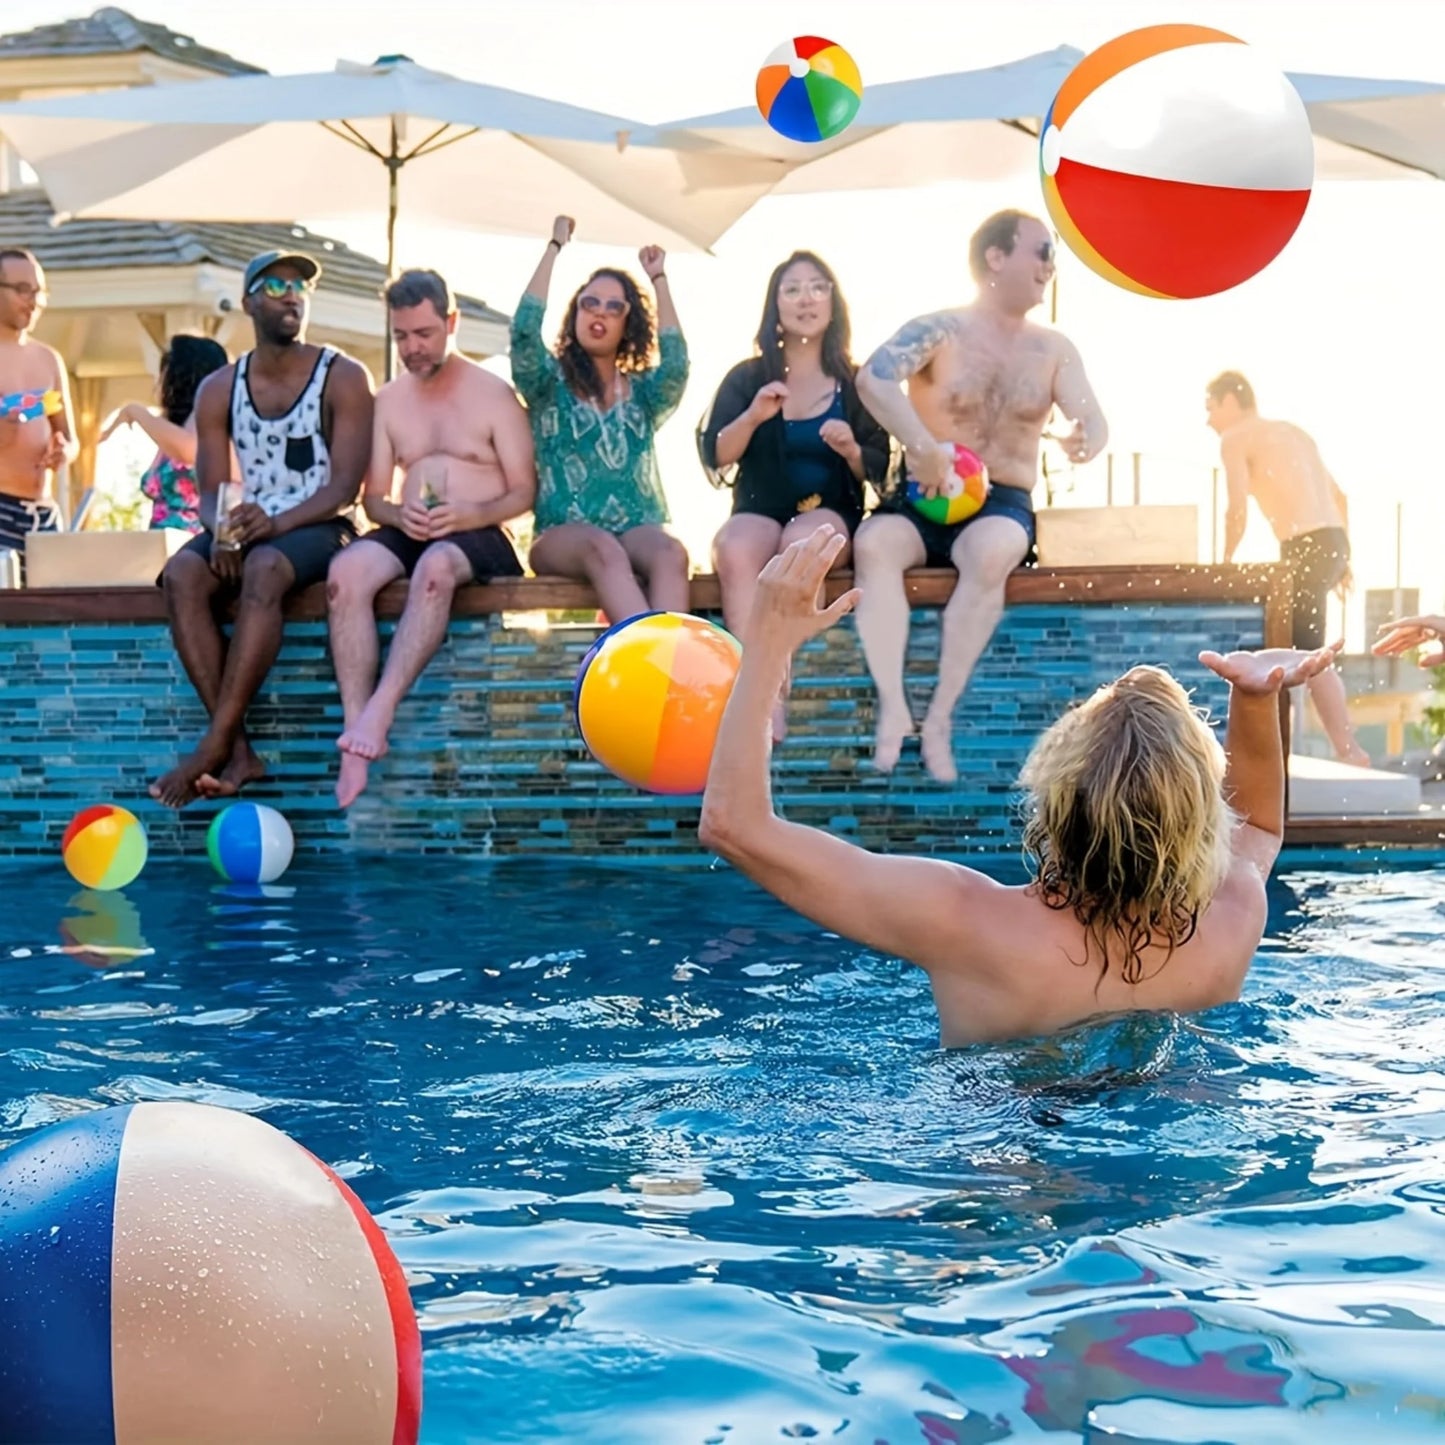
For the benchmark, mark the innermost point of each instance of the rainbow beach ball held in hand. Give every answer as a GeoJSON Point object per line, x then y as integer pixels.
{"type": "Point", "coordinates": [104, 847]}
{"type": "Point", "coordinates": [809, 89]}
{"type": "Point", "coordinates": [961, 495]}
{"type": "Point", "coordinates": [1176, 161]}
{"type": "Point", "coordinates": [250, 843]}
{"type": "Point", "coordinates": [177, 1271]}
{"type": "Point", "coordinates": [649, 696]}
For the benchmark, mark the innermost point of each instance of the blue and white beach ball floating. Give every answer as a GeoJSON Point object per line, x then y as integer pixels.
{"type": "Point", "coordinates": [174, 1271]}
{"type": "Point", "coordinates": [250, 843]}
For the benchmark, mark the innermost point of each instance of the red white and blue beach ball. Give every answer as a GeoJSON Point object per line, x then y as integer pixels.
{"type": "Point", "coordinates": [179, 1272]}
{"type": "Point", "coordinates": [1176, 161]}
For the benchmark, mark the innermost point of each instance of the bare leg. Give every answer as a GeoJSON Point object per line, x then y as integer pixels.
{"type": "Point", "coordinates": [578, 550]}
{"type": "Point", "coordinates": [886, 546]}
{"type": "Point", "coordinates": [985, 552]}
{"type": "Point", "coordinates": [742, 548]}
{"type": "Point", "coordinates": [1327, 692]}
{"type": "Point", "coordinates": [662, 563]}
{"type": "Point", "coordinates": [255, 643]}
{"type": "Point", "coordinates": [422, 629]}
{"type": "Point", "coordinates": [357, 574]}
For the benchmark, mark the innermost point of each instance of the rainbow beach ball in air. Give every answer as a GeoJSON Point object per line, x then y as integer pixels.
{"type": "Point", "coordinates": [961, 495]}
{"type": "Point", "coordinates": [250, 843]}
{"type": "Point", "coordinates": [809, 89]}
{"type": "Point", "coordinates": [649, 696]}
{"type": "Point", "coordinates": [1176, 161]}
{"type": "Point", "coordinates": [104, 847]}
{"type": "Point", "coordinates": [176, 1271]}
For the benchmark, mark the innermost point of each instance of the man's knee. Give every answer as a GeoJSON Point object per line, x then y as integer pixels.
{"type": "Point", "coordinates": [187, 575]}
{"type": "Point", "coordinates": [266, 577]}
{"type": "Point", "coordinates": [885, 542]}
{"type": "Point", "coordinates": [354, 577]}
{"type": "Point", "coordinates": [436, 575]}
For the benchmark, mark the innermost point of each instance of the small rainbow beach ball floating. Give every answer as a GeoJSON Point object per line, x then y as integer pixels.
{"type": "Point", "coordinates": [650, 695]}
{"type": "Point", "coordinates": [250, 843]}
{"type": "Point", "coordinates": [961, 495]}
{"type": "Point", "coordinates": [104, 847]}
{"type": "Point", "coordinates": [1176, 161]}
{"type": "Point", "coordinates": [809, 89]}
{"type": "Point", "coordinates": [176, 1271]}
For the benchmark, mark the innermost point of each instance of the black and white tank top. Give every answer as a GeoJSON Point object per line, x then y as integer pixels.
{"type": "Point", "coordinates": [284, 459]}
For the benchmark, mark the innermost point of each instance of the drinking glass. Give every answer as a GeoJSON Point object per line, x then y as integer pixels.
{"type": "Point", "coordinates": [229, 496]}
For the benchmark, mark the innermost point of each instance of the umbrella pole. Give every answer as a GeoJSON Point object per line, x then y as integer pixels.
{"type": "Point", "coordinates": [393, 170]}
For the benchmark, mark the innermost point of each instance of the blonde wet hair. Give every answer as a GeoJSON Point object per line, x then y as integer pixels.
{"type": "Point", "coordinates": [1125, 818]}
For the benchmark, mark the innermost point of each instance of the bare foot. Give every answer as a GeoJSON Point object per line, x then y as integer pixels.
{"type": "Point", "coordinates": [351, 782]}
{"type": "Point", "coordinates": [180, 786]}
{"type": "Point", "coordinates": [1356, 757]}
{"type": "Point", "coordinates": [888, 738]}
{"type": "Point", "coordinates": [935, 742]}
{"type": "Point", "coordinates": [243, 767]}
{"type": "Point", "coordinates": [366, 737]}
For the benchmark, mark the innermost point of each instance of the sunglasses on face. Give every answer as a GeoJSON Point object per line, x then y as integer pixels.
{"type": "Point", "coordinates": [278, 286]}
{"type": "Point", "coordinates": [1046, 251]}
{"type": "Point", "coordinates": [818, 290]}
{"type": "Point", "coordinates": [612, 306]}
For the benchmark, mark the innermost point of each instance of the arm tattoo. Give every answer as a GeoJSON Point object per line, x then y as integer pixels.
{"type": "Point", "coordinates": [911, 347]}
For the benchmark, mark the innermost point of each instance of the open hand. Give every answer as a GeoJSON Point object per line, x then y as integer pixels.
{"type": "Point", "coordinates": [931, 467]}
{"type": "Point", "coordinates": [249, 524]}
{"type": "Point", "coordinates": [125, 416]}
{"type": "Point", "coordinates": [562, 229]}
{"type": "Point", "coordinates": [839, 435]}
{"type": "Point", "coordinates": [785, 609]}
{"type": "Point", "coordinates": [652, 259]}
{"type": "Point", "coordinates": [1405, 633]}
{"type": "Point", "coordinates": [1259, 674]}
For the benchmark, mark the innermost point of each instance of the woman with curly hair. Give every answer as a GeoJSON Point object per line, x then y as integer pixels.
{"type": "Point", "coordinates": [1149, 843]}
{"type": "Point", "coordinates": [170, 480]}
{"type": "Point", "coordinates": [595, 402]}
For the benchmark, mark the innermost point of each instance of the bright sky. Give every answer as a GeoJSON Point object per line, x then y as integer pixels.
{"type": "Point", "coordinates": [1341, 334]}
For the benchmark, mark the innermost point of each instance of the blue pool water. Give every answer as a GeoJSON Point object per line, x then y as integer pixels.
{"type": "Point", "coordinates": [665, 1163]}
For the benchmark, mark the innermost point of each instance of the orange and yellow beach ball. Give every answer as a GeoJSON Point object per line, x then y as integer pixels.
{"type": "Point", "coordinates": [104, 847]}
{"type": "Point", "coordinates": [1176, 161]}
{"type": "Point", "coordinates": [650, 695]}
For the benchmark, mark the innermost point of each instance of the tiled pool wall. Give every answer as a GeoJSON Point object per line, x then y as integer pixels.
{"type": "Point", "coordinates": [485, 758]}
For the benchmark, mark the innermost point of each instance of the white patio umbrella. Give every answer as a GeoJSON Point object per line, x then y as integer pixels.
{"type": "Point", "coordinates": [983, 125]}
{"type": "Point", "coordinates": [316, 147]}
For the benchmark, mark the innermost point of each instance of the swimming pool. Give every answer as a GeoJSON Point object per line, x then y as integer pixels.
{"type": "Point", "coordinates": [665, 1163]}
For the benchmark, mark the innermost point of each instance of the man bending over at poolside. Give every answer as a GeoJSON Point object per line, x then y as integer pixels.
{"type": "Point", "coordinates": [1279, 465]}
{"type": "Point", "coordinates": [985, 376]}
{"type": "Point", "coordinates": [300, 420]}
{"type": "Point", "coordinates": [462, 440]}
{"type": "Point", "coordinates": [1150, 843]}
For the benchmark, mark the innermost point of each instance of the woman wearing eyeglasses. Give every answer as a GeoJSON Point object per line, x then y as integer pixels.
{"type": "Point", "coordinates": [788, 433]}
{"type": "Point", "coordinates": [595, 402]}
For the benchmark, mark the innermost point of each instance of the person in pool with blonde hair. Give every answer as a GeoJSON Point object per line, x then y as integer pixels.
{"type": "Point", "coordinates": [1150, 843]}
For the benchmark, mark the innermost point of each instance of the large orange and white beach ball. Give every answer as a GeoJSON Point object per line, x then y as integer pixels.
{"type": "Point", "coordinates": [173, 1271]}
{"type": "Point", "coordinates": [1176, 161]}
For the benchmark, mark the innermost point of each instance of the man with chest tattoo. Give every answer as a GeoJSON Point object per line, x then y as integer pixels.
{"type": "Point", "coordinates": [985, 376]}
{"type": "Point", "coordinates": [461, 442]}
{"type": "Point", "coordinates": [299, 417]}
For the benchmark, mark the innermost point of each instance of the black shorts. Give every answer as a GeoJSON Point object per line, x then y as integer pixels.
{"type": "Point", "coordinates": [489, 550]}
{"type": "Point", "coordinates": [308, 549]}
{"type": "Point", "coordinates": [938, 537]}
{"type": "Point", "coordinates": [1318, 561]}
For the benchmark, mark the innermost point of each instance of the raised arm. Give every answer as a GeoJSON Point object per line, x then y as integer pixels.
{"type": "Point", "coordinates": [1234, 453]}
{"type": "Point", "coordinates": [541, 281]}
{"type": "Point", "coordinates": [1253, 742]}
{"type": "Point", "coordinates": [906, 907]}
{"type": "Point", "coordinates": [177, 442]}
{"type": "Point", "coordinates": [1074, 396]}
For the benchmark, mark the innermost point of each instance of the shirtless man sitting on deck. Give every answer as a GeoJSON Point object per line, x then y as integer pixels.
{"type": "Point", "coordinates": [463, 443]}
{"type": "Point", "coordinates": [984, 376]}
{"type": "Point", "coordinates": [1279, 465]}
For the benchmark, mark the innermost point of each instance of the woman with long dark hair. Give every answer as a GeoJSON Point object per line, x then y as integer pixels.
{"type": "Point", "coordinates": [595, 402]}
{"type": "Point", "coordinates": [788, 433]}
{"type": "Point", "coordinates": [170, 480]}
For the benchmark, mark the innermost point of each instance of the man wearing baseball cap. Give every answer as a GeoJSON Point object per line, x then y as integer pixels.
{"type": "Point", "coordinates": [299, 417]}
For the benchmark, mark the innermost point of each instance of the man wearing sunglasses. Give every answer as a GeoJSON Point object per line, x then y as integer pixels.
{"type": "Point", "coordinates": [459, 442]}
{"type": "Point", "coordinates": [299, 417]}
{"type": "Point", "coordinates": [984, 376]}
{"type": "Point", "coordinates": [34, 406]}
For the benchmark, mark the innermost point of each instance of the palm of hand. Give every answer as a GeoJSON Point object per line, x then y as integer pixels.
{"type": "Point", "coordinates": [1269, 669]}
